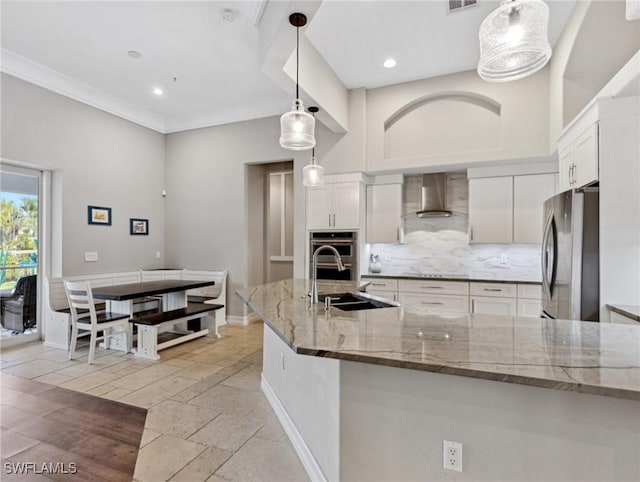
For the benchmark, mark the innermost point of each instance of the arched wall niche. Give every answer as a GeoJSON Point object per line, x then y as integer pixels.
{"type": "Point", "coordinates": [443, 123]}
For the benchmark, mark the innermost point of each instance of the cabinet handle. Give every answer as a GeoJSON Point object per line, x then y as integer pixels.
{"type": "Point", "coordinates": [492, 289]}
{"type": "Point", "coordinates": [473, 305]}
{"type": "Point", "coordinates": [471, 233]}
{"type": "Point", "coordinates": [431, 303]}
{"type": "Point", "coordinates": [569, 174]}
{"type": "Point", "coordinates": [433, 287]}
{"type": "Point", "coordinates": [378, 284]}
{"type": "Point", "coordinates": [397, 234]}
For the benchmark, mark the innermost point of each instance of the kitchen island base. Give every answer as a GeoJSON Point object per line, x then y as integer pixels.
{"type": "Point", "coordinates": [358, 421]}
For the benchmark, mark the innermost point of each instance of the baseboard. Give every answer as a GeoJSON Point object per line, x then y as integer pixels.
{"type": "Point", "coordinates": [304, 454]}
{"type": "Point", "coordinates": [237, 320]}
{"type": "Point", "coordinates": [56, 345]}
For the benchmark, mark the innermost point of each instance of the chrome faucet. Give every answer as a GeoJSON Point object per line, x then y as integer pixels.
{"type": "Point", "coordinates": [314, 281]}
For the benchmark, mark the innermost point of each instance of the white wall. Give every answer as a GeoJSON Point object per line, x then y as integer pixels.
{"type": "Point", "coordinates": [524, 118]}
{"type": "Point", "coordinates": [97, 159]}
{"type": "Point", "coordinates": [596, 42]}
{"type": "Point", "coordinates": [393, 422]}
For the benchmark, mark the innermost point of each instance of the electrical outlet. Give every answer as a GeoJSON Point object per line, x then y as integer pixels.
{"type": "Point", "coordinates": [504, 259]}
{"type": "Point", "coordinates": [387, 257]}
{"type": "Point", "coordinates": [452, 456]}
{"type": "Point", "coordinates": [90, 257]}
{"type": "Point", "coordinates": [157, 254]}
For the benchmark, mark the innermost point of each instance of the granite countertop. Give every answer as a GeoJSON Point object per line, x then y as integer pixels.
{"type": "Point", "coordinates": [455, 277]}
{"type": "Point", "coordinates": [630, 311]}
{"type": "Point", "coordinates": [586, 357]}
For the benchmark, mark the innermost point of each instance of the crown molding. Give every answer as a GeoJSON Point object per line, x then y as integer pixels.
{"type": "Point", "coordinates": [34, 73]}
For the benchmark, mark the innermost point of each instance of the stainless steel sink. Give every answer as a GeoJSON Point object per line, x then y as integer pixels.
{"type": "Point", "coordinates": [352, 301]}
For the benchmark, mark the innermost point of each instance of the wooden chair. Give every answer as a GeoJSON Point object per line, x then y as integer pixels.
{"type": "Point", "coordinates": [84, 317]}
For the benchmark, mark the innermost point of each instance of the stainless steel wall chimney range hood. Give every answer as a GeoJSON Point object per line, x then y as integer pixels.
{"type": "Point", "coordinates": [434, 196]}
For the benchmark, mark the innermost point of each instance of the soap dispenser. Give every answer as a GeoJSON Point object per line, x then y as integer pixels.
{"type": "Point", "coordinates": [375, 266]}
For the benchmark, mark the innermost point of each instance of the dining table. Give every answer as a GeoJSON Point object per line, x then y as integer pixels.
{"type": "Point", "coordinates": [120, 298]}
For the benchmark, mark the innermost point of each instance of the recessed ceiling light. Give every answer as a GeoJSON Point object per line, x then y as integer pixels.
{"type": "Point", "coordinates": [389, 63]}
{"type": "Point", "coordinates": [227, 15]}
{"type": "Point", "coordinates": [134, 53]}
{"type": "Point", "coordinates": [157, 91]}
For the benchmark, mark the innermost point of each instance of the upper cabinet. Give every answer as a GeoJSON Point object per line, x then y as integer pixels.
{"type": "Point", "coordinates": [578, 157]}
{"type": "Point", "coordinates": [335, 204]}
{"type": "Point", "coordinates": [491, 210]}
{"type": "Point", "coordinates": [384, 212]}
{"type": "Point", "coordinates": [508, 209]}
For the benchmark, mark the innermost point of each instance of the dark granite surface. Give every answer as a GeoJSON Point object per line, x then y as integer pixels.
{"type": "Point", "coordinates": [602, 359]}
{"type": "Point", "coordinates": [630, 311]}
{"type": "Point", "coordinates": [131, 291]}
{"type": "Point", "coordinates": [450, 277]}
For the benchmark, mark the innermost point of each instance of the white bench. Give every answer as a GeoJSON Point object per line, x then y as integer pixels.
{"type": "Point", "coordinates": [58, 319]}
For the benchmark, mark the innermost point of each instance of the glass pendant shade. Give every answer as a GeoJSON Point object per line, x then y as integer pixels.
{"type": "Point", "coordinates": [297, 128]}
{"type": "Point", "coordinates": [313, 174]}
{"type": "Point", "coordinates": [514, 41]}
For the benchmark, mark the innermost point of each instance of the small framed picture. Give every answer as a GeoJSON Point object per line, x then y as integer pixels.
{"type": "Point", "coordinates": [99, 215]}
{"type": "Point", "coordinates": [139, 227]}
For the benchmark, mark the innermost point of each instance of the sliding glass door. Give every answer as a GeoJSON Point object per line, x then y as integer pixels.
{"type": "Point", "coordinates": [20, 208]}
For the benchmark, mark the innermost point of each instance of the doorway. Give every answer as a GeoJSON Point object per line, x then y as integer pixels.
{"type": "Point", "coordinates": [279, 225]}
{"type": "Point", "coordinates": [20, 209]}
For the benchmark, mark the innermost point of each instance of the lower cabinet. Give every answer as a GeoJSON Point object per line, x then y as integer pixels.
{"type": "Point", "coordinates": [432, 303]}
{"type": "Point", "coordinates": [435, 296]}
{"type": "Point", "coordinates": [493, 306]}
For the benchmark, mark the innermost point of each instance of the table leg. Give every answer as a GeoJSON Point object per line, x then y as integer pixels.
{"type": "Point", "coordinates": [116, 342]}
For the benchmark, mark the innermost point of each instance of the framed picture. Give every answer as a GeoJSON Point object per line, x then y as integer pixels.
{"type": "Point", "coordinates": [99, 215]}
{"type": "Point", "coordinates": [139, 227]}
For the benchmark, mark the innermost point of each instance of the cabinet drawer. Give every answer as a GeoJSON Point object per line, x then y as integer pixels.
{"type": "Point", "coordinates": [436, 303]}
{"type": "Point", "coordinates": [387, 295]}
{"type": "Point", "coordinates": [527, 307]}
{"type": "Point", "coordinates": [493, 305]}
{"type": "Point", "coordinates": [504, 290]}
{"type": "Point", "coordinates": [381, 284]}
{"type": "Point", "coordinates": [434, 286]}
{"type": "Point", "coordinates": [532, 292]}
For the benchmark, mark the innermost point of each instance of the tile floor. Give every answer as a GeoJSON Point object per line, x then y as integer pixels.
{"type": "Point", "coordinates": [207, 418]}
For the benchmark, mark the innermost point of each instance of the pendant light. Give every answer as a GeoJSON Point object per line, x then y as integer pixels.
{"type": "Point", "coordinates": [297, 126]}
{"type": "Point", "coordinates": [514, 41]}
{"type": "Point", "coordinates": [313, 174]}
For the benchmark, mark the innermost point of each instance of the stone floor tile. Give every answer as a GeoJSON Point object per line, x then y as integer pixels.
{"type": "Point", "coordinates": [116, 394]}
{"type": "Point", "coordinates": [179, 419]}
{"type": "Point", "coordinates": [164, 457]}
{"type": "Point", "coordinates": [247, 379]}
{"type": "Point", "coordinates": [199, 371]}
{"type": "Point", "coordinates": [34, 368]}
{"type": "Point", "coordinates": [230, 430]}
{"type": "Point", "coordinates": [231, 399]}
{"type": "Point", "coordinates": [203, 466]}
{"type": "Point", "coordinates": [200, 387]}
{"type": "Point", "coordinates": [90, 381]}
{"type": "Point", "coordinates": [265, 461]}
{"type": "Point", "coordinates": [53, 378]}
{"type": "Point", "coordinates": [146, 376]}
{"type": "Point", "coordinates": [148, 435]}
{"type": "Point", "coordinates": [272, 430]}
{"type": "Point", "coordinates": [157, 391]}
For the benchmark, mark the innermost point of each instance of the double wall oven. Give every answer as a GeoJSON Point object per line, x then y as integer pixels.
{"type": "Point", "coordinates": [346, 243]}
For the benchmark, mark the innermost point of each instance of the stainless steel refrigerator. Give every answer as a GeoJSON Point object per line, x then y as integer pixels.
{"type": "Point", "coordinates": [570, 247]}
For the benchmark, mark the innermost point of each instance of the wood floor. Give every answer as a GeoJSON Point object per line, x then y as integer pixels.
{"type": "Point", "coordinates": [75, 435]}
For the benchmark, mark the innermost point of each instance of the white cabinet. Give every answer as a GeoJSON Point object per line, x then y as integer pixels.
{"type": "Point", "coordinates": [578, 152]}
{"type": "Point", "coordinates": [382, 287]}
{"type": "Point", "coordinates": [384, 213]}
{"type": "Point", "coordinates": [508, 209]}
{"type": "Point", "coordinates": [434, 296]}
{"type": "Point", "coordinates": [529, 194]}
{"type": "Point", "coordinates": [527, 307]}
{"type": "Point", "coordinates": [491, 210]}
{"type": "Point", "coordinates": [334, 206]}
{"type": "Point", "coordinates": [493, 305]}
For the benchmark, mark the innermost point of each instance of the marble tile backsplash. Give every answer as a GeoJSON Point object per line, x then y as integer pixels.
{"type": "Point", "coordinates": [448, 252]}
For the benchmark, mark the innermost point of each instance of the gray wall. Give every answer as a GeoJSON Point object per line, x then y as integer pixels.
{"type": "Point", "coordinates": [207, 213]}
{"type": "Point", "coordinates": [97, 159]}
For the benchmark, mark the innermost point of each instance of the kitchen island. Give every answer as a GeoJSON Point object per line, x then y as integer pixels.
{"type": "Point", "coordinates": [380, 390]}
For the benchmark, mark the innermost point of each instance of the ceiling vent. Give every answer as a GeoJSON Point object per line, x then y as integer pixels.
{"type": "Point", "coordinates": [457, 5]}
